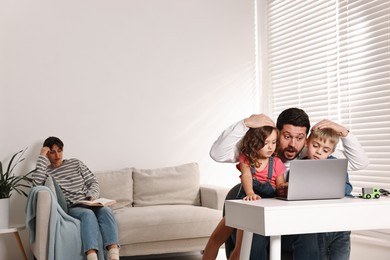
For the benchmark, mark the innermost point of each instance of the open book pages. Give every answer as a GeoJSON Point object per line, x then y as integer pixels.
{"type": "Point", "coordinates": [97, 202]}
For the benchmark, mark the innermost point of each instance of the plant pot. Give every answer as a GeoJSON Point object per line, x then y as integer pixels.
{"type": "Point", "coordinates": [4, 213]}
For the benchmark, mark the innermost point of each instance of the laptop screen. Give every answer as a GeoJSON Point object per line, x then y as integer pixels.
{"type": "Point", "coordinates": [317, 179]}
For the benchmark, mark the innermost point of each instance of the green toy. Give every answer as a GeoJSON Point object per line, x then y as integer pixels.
{"type": "Point", "coordinates": [371, 193]}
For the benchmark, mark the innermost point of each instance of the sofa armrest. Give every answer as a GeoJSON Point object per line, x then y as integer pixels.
{"type": "Point", "coordinates": [212, 196]}
{"type": "Point", "coordinates": [40, 245]}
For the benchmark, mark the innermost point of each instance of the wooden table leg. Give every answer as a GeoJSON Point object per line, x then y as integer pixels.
{"type": "Point", "coordinates": [20, 244]}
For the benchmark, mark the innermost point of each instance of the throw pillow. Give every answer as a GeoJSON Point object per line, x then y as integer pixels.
{"type": "Point", "coordinates": [116, 185]}
{"type": "Point", "coordinates": [167, 186]}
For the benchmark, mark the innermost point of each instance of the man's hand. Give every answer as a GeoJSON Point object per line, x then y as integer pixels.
{"type": "Point", "coordinates": [341, 130]}
{"type": "Point", "coordinates": [45, 150]}
{"type": "Point", "coordinates": [282, 189]}
{"type": "Point", "coordinates": [258, 120]}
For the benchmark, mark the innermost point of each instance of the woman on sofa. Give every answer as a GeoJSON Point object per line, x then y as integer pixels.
{"type": "Point", "coordinates": [77, 183]}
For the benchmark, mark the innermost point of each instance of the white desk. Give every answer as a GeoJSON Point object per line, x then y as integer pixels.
{"type": "Point", "coordinates": [273, 217]}
{"type": "Point", "coordinates": [15, 230]}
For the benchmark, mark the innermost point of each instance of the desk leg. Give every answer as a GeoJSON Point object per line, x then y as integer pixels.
{"type": "Point", "coordinates": [275, 247]}
{"type": "Point", "coordinates": [246, 245]}
{"type": "Point", "coordinates": [20, 244]}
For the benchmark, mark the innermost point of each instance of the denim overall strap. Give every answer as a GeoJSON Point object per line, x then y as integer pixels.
{"type": "Point", "coordinates": [270, 169]}
{"type": "Point", "coordinates": [263, 189]}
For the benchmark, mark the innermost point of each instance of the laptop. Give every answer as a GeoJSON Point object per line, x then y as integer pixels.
{"type": "Point", "coordinates": [317, 179]}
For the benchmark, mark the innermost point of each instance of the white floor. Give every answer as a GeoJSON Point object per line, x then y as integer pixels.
{"type": "Point", "coordinates": [186, 256]}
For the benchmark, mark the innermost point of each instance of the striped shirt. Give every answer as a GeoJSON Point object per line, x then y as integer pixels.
{"type": "Point", "coordinates": [77, 182]}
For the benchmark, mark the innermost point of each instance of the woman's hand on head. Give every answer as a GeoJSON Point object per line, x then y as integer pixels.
{"type": "Point", "coordinates": [45, 150]}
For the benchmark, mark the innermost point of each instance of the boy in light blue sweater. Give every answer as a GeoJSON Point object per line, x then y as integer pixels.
{"type": "Point", "coordinates": [333, 245]}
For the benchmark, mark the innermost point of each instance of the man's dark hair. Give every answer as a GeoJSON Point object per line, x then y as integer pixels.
{"type": "Point", "coordinates": [52, 140]}
{"type": "Point", "coordinates": [293, 116]}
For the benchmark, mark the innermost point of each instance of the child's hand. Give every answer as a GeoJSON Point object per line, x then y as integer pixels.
{"type": "Point", "coordinates": [282, 189]}
{"type": "Point", "coordinates": [252, 196]}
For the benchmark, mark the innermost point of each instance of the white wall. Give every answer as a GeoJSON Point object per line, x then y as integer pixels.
{"type": "Point", "coordinates": [369, 245]}
{"type": "Point", "coordinates": [143, 83]}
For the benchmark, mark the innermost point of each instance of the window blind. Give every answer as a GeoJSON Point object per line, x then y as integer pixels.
{"type": "Point", "coordinates": [332, 59]}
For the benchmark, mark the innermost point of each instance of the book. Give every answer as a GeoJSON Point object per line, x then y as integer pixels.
{"type": "Point", "coordinates": [98, 202]}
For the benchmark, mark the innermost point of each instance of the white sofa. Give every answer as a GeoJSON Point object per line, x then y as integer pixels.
{"type": "Point", "coordinates": [158, 211]}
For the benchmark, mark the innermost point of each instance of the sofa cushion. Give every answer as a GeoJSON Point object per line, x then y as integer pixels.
{"type": "Point", "coordinates": [167, 186]}
{"type": "Point", "coordinates": [165, 222]}
{"type": "Point", "coordinates": [116, 185]}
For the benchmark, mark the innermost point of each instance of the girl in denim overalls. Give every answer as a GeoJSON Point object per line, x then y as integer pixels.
{"type": "Point", "coordinates": [261, 172]}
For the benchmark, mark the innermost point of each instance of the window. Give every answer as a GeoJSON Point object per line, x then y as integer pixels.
{"type": "Point", "coordinates": [332, 59]}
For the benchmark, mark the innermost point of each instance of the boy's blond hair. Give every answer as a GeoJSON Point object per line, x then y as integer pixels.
{"type": "Point", "coordinates": [325, 134]}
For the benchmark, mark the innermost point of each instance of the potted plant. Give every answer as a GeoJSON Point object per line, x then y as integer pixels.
{"type": "Point", "coordinates": [9, 183]}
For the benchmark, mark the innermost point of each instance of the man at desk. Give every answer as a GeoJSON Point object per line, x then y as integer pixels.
{"type": "Point", "coordinates": [294, 126]}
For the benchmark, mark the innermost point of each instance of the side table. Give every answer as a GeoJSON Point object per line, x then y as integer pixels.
{"type": "Point", "coordinates": [15, 230]}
